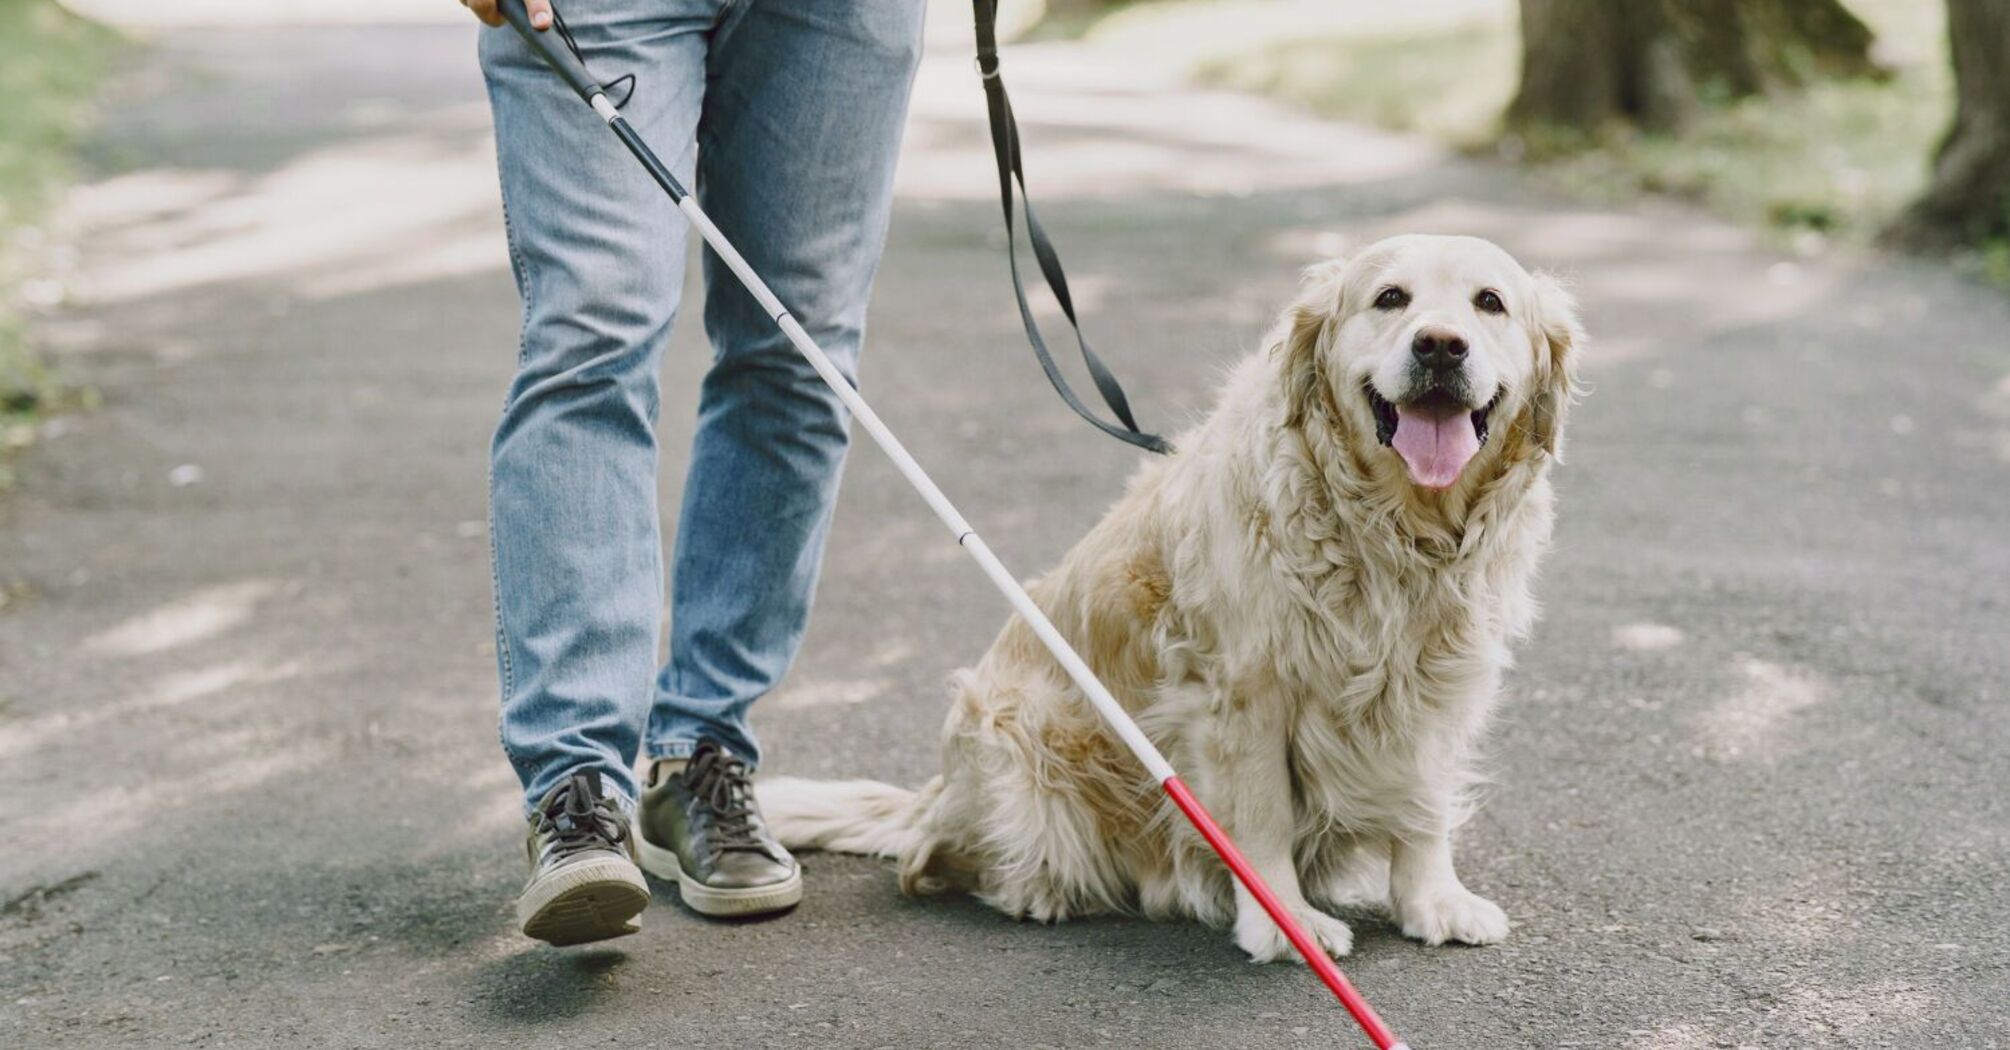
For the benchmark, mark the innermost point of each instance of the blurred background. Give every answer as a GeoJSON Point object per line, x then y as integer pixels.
{"type": "Point", "coordinates": [256, 322]}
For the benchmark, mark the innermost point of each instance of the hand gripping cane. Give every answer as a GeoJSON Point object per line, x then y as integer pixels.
{"type": "Point", "coordinates": [562, 61]}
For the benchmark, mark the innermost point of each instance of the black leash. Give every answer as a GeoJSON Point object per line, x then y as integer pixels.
{"type": "Point", "coordinates": [565, 31]}
{"type": "Point", "coordinates": [1005, 144]}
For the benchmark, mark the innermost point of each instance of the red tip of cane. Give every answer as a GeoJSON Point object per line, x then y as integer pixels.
{"type": "Point", "coordinates": [1315, 955]}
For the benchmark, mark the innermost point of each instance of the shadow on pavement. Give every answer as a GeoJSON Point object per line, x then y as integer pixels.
{"type": "Point", "coordinates": [542, 986]}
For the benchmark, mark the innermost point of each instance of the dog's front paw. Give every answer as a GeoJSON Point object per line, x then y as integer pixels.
{"type": "Point", "coordinates": [1265, 942]}
{"type": "Point", "coordinates": [1455, 915]}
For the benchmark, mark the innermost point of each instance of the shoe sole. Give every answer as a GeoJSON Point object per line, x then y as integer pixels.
{"type": "Point", "coordinates": [715, 901]}
{"type": "Point", "coordinates": [594, 900]}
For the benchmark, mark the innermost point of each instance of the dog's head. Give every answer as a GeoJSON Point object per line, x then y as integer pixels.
{"type": "Point", "coordinates": [1444, 351]}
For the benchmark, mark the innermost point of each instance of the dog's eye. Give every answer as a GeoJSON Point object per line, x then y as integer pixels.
{"type": "Point", "coordinates": [1392, 299]}
{"type": "Point", "coordinates": [1489, 301]}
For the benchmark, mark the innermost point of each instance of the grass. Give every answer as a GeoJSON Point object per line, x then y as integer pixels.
{"type": "Point", "coordinates": [55, 61]}
{"type": "Point", "coordinates": [1443, 67]}
{"type": "Point", "coordinates": [1449, 83]}
{"type": "Point", "coordinates": [1995, 263]}
{"type": "Point", "coordinates": [1833, 163]}
{"type": "Point", "coordinates": [1838, 160]}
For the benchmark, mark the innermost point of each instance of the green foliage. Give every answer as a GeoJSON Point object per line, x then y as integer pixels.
{"type": "Point", "coordinates": [1996, 263]}
{"type": "Point", "coordinates": [1993, 258]}
{"type": "Point", "coordinates": [54, 63]}
{"type": "Point", "coordinates": [1837, 159]}
{"type": "Point", "coordinates": [1449, 82]}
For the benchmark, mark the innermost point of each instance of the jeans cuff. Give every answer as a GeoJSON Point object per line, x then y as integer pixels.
{"type": "Point", "coordinates": [608, 788]}
{"type": "Point", "coordinates": [627, 806]}
{"type": "Point", "coordinates": [656, 749]}
{"type": "Point", "coordinates": [680, 749]}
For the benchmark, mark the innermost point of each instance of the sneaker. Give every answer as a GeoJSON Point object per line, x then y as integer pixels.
{"type": "Point", "coordinates": [584, 885]}
{"type": "Point", "coordinates": [698, 824]}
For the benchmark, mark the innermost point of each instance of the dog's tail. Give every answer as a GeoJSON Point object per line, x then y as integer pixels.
{"type": "Point", "coordinates": [843, 816]}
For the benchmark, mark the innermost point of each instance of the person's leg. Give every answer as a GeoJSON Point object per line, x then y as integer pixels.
{"type": "Point", "coordinates": [598, 254]}
{"type": "Point", "coordinates": [801, 129]}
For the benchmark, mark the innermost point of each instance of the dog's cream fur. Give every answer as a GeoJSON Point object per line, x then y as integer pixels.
{"type": "Point", "coordinates": [1313, 640]}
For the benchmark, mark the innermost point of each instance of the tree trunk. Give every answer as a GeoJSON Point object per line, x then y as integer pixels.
{"type": "Point", "coordinates": [1591, 65]}
{"type": "Point", "coordinates": [1968, 201]}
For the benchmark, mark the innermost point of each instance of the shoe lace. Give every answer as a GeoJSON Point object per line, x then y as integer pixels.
{"type": "Point", "coordinates": [578, 819]}
{"type": "Point", "coordinates": [722, 784]}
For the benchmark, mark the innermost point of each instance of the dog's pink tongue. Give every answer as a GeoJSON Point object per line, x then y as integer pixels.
{"type": "Point", "coordinates": [1435, 443]}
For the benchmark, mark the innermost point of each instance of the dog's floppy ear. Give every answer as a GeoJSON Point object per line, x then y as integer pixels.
{"type": "Point", "coordinates": [1559, 340]}
{"type": "Point", "coordinates": [1302, 331]}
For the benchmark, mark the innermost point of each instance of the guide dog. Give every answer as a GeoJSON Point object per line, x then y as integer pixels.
{"type": "Point", "coordinates": [1308, 607]}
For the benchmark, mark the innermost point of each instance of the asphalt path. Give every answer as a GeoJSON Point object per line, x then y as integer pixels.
{"type": "Point", "coordinates": [1749, 789]}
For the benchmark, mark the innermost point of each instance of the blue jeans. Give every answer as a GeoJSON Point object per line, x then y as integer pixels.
{"type": "Point", "coordinates": [786, 116]}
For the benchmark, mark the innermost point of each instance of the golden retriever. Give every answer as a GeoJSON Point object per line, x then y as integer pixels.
{"type": "Point", "coordinates": [1308, 607]}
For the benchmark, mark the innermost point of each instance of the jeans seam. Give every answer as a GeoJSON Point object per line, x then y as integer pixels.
{"type": "Point", "coordinates": [502, 635]}
{"type": "Point", "coordinates": [521, 271]}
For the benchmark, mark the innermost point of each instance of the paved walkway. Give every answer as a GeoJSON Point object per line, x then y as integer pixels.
{"type": "Point", "coordinates": [1750, 784]}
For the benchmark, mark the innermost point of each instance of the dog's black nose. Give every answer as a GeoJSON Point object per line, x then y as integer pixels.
{"type": "Point", "coordinates": [1438, 349]}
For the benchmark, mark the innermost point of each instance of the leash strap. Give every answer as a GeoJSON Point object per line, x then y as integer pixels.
{"type": "Point", "coordinates": [1005, 145]}
{"type": "Point", "coordinates": [565, 31]}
